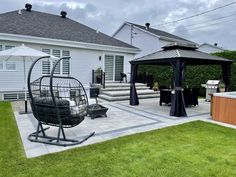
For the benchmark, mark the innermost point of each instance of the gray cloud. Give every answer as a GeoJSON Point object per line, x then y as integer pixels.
{"type": "Point", "coordinates": [107, 16]}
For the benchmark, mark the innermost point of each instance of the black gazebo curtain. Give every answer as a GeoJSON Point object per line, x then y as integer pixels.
{"type": "Point", "coordinates": [177, 100]}
{"type": "Point", "coordinates": [133, 92]}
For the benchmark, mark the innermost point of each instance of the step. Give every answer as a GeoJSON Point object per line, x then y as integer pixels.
{"type": "Point", "coordinates": [122, 98]}
{"type": "Point", "coordinates": [127, 93]}
{"type": "Point", "coordinates": [108, 85]}
{"type": "Point", "coordinates": [122, 88]}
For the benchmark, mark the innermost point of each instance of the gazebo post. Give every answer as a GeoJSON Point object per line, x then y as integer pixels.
{"type": "Point", "coordinates": [133, 93]}
{"type": "Point", "coordinates": [226, 75]}
{"type": "Point", "coordinates": [177, 100]}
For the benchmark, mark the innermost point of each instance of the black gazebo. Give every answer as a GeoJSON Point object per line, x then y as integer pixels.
{"type": "Point", "coordinates": [177, 55]}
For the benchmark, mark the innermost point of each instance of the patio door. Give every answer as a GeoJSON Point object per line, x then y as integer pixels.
{"type": "Point", "coordinates": [114, 65]}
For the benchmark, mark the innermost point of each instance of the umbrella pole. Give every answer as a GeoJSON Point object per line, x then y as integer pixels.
{"type": "Point", "coordinates": [26, 108]}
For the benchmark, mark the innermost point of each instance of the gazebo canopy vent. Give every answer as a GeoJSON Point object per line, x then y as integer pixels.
{"type": "Point", "coordinates": [177, 55]}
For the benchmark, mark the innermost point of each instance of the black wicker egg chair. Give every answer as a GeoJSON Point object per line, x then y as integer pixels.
{"type": "Point", "coordinates": [59, 101]}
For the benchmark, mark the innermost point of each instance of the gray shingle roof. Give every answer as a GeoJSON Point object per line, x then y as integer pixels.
{"type": "Point", "coordinates": [176, 51]}
{"type": "Point", "coordinates": [162, 33]}
{"type": "Point", "coordinates": [46, 25]}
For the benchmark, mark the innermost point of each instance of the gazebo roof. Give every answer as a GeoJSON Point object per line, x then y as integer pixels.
{"type": "Point", "coordinates": [176, 51]}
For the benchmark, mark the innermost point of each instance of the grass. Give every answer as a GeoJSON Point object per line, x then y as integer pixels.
{"type": "Point", "coordinates": [192, 149]}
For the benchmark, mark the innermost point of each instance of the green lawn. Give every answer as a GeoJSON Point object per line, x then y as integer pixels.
{"type": "Point", "coordinates": [192, 149]}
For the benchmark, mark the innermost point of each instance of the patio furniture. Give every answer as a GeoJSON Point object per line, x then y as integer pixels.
{"type": "Point", "coordinates": [165, 96]}
{"type": "Point", "coordinates": [96, 110]}
{"type": "Point", "coordinates": [122, 76]}
{"type": "Point", "coordinates": [190, 96]}
{"type": "Point", "coordinates": [178, 55]}
{"type": "Point", "coordinates": [59, 101]}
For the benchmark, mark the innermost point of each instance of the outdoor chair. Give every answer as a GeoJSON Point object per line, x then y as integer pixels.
{"type": "Point", "coordinates": [59, 101]}
{"type": "Point", "coordinates": [122, 76]}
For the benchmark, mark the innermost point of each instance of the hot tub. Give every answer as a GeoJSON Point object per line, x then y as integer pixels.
{"type": "Point", "coordinates": [224, 107]}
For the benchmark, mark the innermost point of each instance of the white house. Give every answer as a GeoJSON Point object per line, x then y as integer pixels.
{"type": "Point", "coordinates": [209, 48]}
{"type": "Point", "coordinates": [147, 39]}
{"type": "Point", "coordinates": [59, 36]}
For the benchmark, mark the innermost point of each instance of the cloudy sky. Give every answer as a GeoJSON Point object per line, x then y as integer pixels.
{"type": "Point", "coordinates": [107, 15]}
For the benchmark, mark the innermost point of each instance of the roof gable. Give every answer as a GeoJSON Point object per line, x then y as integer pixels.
{"type": "Point", "coordinates": [161, 34]}
{"type": "Point", "coordinates": [51, 26]}
{"type": "Point", "coordinates": [210, 45]}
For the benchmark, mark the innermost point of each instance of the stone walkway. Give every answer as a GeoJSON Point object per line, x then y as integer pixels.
{"type": "Point", "coordinates": [122, 119]}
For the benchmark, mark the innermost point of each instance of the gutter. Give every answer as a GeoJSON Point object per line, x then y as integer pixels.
{"type": "Point", "coordinates": [66, 43]}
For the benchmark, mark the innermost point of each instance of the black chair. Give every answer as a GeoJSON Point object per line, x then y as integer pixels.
{"type": "Point", "coordinates": [59, 101]}
{"type": "Point", "coordinates": [122, 76]}
{"type": "Point", "coordinates": [165, 96]}
{"type": "Point", "coordinates": [190, 97]}
{"type": "Point", "coordinates": [195, 92]}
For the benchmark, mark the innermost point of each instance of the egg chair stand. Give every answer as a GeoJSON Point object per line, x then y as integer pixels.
{"type": "Point", "coordinates": [57, 101]}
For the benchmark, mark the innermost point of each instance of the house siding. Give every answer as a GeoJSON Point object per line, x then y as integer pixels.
{"type": "Point", "coordinates": [82, 62]}
{"type": "Point", "coordinates": [209, 49]}
{"type": "Point", "coordinates": [146, 42]}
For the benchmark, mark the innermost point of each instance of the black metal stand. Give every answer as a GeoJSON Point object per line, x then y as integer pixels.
{"type": "Point", "coordinates": [26, 108]}
{"type": "Point", "coordinates": [40, 137]}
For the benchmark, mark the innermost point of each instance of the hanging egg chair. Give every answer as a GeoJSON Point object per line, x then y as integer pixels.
{"type": "Point", "coordinates": [59, 101]}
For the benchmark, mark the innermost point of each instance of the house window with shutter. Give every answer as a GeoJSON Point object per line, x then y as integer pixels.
{"type": "Point", "coordinates": [10, 65]}
{"type": "Point", "coordinates": [1, 65]}
{"type": "Point", "coordinates": [57, 53]}
{"type": "Point", "coordinates": [46, 64]}
{"type": "Point", "coordinates": [62, 68]}
{"type": "Point", "coordinates": [8, 47]}
{"type": "Point", "coordinates": [65, 62]}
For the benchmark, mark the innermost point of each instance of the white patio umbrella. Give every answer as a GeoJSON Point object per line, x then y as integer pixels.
{"type": "Point", "coordinates": [25, 53]}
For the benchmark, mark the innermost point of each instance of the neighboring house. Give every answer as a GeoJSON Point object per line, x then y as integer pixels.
{"type": "Point", "coordinates": [59, 36]}
{"type": "Point", "coordinates": [148, 39]}
{"type": "Point", "coordinates": [209, 48]}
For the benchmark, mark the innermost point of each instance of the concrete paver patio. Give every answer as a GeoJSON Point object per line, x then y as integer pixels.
{"type": "Point", "coordinates": [122, 119]}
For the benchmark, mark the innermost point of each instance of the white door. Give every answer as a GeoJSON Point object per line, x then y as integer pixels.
{"type": "Point", "coordinates": [114, 65]}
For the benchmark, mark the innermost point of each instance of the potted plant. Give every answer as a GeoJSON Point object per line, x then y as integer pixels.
{"type": "Point", "coordinates": [222, 87]}
{"type": "Point", "coordinates": [155, 86]}
{"type": "Point", "coordinates": [98, 75]}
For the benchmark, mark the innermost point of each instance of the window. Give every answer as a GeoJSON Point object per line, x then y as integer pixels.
{"type": "Point", "coordinates": [47, 51]}
{"type": "Point", "coordinates": [46, 67]}
{"type": "Point", "coordinates": [66, 62]}
{"type": "Point", "coordinates": [46, 64]}
{"type": "Point", "coordinates": [8, 47]}
{"type": "Point", "coordinates": [1, 47]}
{"type": "Point", "coordinates": [57, 53]}
{"type": "Point", "coordinates": [62, 68]}
{"type": "Point", "coordinates": [1, 65]}
{"type": "Point", "coordinates": [10, 66]}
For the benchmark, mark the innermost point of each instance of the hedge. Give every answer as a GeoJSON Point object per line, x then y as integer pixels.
{"type": "Point", "coordinates": [194, 75]}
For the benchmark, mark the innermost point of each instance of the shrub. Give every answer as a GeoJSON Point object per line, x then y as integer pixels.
{"type": "Point", "coordinates": [194, 75]}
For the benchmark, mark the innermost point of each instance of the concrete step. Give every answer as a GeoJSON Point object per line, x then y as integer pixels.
{"type": "Point", "coordinates": [127, 92]}
{"type": "Point", "coordinates": [122, 88]}
{"type": "Point", "coordinates": [122, 98]}
{"type": "Point", "coordinates": [109, 85]}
